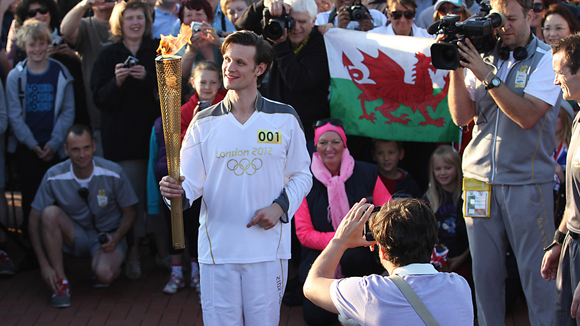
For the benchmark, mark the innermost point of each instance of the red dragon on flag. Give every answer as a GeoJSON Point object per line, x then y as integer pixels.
{"type": "Point", "coordinates": [391, 87]}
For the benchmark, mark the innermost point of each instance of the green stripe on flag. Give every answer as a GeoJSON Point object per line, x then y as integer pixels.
{"type": "Point", "coordinates": [345, 105]}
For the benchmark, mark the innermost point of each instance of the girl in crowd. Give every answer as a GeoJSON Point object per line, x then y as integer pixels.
{"type": "Point", "coordinates": [124, 84]}
{"type": "Point", "coordinates": [558, 23]}
{"type": "Point", "coordinates": [444, 197]}
{"type": "Point", "coordinates": [206, 82]}
{"type": "Point", "coordinates": [338, 183]}
{"type": "Point", "coordinates": [205, 44]}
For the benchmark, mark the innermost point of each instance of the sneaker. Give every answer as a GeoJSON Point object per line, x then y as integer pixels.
{"type": "Point", "coordinates": [133, 270]}
{"type": "Point", "coordinates": [96, 284]}
{"type": "Point", "coordinates": [61, 299]}
{"type": "Point", "coordinates": [195, 282]}
{"type": "Point", "coordinates": [175, 283]}
{"type": "Point", "coordinates": [6, 265]}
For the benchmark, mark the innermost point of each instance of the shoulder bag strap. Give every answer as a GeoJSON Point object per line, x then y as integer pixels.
{"type": "Point", "coordinates": [414, 300]}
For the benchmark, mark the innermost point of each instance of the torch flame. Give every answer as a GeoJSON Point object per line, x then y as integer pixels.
{"type": "Point", "coordinates": [170, 45]}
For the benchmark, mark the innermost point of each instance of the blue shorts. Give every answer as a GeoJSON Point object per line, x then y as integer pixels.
{"type": "Point", "coordinates": [86, 243]}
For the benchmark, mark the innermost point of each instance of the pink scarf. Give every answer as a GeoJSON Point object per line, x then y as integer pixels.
{"type": "Point", "coordinates": [338, 205]}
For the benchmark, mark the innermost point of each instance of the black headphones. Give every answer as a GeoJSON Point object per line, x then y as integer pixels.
{"type": "Point", "coordinates": [520, 53]}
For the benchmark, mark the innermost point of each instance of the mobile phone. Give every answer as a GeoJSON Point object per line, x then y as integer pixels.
{"type": "Point", "coordinates": [203, 105]}
{"type": "Point", "coordinates": [367, 233]}
{"type": "Point", "coordinates": [130, 62]}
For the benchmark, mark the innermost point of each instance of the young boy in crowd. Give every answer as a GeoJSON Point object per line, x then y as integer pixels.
{"type": "Point", "coordinates": [387, 154]}
{"type": "Point", "coordinates": [41, 107]}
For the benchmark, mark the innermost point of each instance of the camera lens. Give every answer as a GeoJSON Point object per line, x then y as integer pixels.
{"type": "Point", "coordinates": [274, 30]}
{"type": "Point", "coordinates": [448, 55]}
{"type": "Point", "coordinates": [358, 14]}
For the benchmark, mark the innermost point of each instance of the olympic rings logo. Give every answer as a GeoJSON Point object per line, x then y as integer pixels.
{"type": "Point", "coordinates": [244, 165]}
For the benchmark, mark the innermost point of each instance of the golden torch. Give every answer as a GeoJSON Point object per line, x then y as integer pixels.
{"type": "Point", "coordinates": [168, 67]}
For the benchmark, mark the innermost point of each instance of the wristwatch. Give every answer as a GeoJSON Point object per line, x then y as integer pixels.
{"type": "Point", "coordinates": [558, 240]}
{"type": "Point", "coordinates": [495, 82]}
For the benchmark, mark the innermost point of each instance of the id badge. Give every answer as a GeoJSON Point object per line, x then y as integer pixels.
{"type": "Point", "coordinates": [477, 198]}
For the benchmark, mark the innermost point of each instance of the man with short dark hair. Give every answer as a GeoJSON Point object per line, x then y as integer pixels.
{"type": "Point", "coordinates": [561, 258]}
{"type": "Point", "coordinates": [406, 232]}
{"type": "Point", "coordinates": [247, 156]}
{"type": "Point", "coordinates": [84, 207]}
{"type": "Point", "coordinates": [299, 75]}
{"type": "Point", "coordinates": [508, 166]}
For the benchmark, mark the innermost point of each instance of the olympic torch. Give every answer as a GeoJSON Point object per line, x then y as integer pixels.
{"type": "Point", "coordinates": [168, 67]}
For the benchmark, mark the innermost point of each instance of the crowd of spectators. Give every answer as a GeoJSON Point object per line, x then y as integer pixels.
{"type": "Point", "coordinates": [93, 65]}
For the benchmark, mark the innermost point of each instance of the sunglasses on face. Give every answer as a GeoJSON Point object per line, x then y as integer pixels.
{"type": "Point", "coordinates": [397, 14]}
{"type": "Point", "coordinates": [450, 10]}
{"type": "Point", "coordinates": [42, 10]}
{"type": "Point", "coordinates": [332, 121]}
{"type": "Point", "coordinates": [538, 7]}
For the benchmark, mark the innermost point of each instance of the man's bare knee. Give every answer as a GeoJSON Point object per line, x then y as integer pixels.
{"type": "Point", "coordinates": [52, 215]}
{"type": "Point", "coordinates": [54, 218]}
{"type": "Point", "coordinates": [107, 267]}
{"type": "Point", "coordinates": [106, 274]}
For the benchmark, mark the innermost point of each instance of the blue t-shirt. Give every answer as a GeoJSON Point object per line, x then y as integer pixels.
{"type": "Point", "coordinates": [40, 101]}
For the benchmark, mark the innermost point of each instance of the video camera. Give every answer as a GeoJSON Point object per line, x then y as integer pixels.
{"type": "Point", "coordinates": [479, 29]}
{"type": "Point", "coordinates": [273, 27]}
{"type": "Point", "coordinates": [357, 11]}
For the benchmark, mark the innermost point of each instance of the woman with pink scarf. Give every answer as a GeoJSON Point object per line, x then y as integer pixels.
{"type": "Point", "coordinates": [338, 183]}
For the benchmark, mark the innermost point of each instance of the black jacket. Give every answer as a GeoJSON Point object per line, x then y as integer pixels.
{"type": "Point", "coordinates": [128, 112]}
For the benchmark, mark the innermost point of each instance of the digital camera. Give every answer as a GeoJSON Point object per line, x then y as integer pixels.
{"type": "Point", "coordinates": [367, 233]}
{"type": "Point", "coordinates": [357, 11]}
{"type": "Point", "coordinates": [130, 62]}
{"type": "Point", "coordinates": [196, 27]}
{"type": "Point", "coordinates": [273, 27]}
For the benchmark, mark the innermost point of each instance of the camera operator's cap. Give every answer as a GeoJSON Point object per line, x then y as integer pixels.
{"type": "Point", "coordinates": [458, 3]}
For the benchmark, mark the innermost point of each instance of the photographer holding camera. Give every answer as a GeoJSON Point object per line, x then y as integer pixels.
{"type": "Point", "coordinates": [509, 93]}
{"type": "Point", "coordinates": [406, 232]}
{"type": "Point", "coordinates": [351, 14]}
{"type": "Point", "coordinates": [299, 75]}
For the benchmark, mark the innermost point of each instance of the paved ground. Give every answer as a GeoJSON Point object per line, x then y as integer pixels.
{"type": "Point", "coordinates": [24, 300]}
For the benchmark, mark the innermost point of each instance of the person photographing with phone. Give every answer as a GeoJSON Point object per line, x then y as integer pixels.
{"type": "Point", "coordinates": [405, 231]}
{"type": "Point", "coordinates": [124, 85]}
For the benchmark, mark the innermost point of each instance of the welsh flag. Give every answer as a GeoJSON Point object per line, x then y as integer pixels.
{"type": "Point", "coordinates": [385, 87]}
